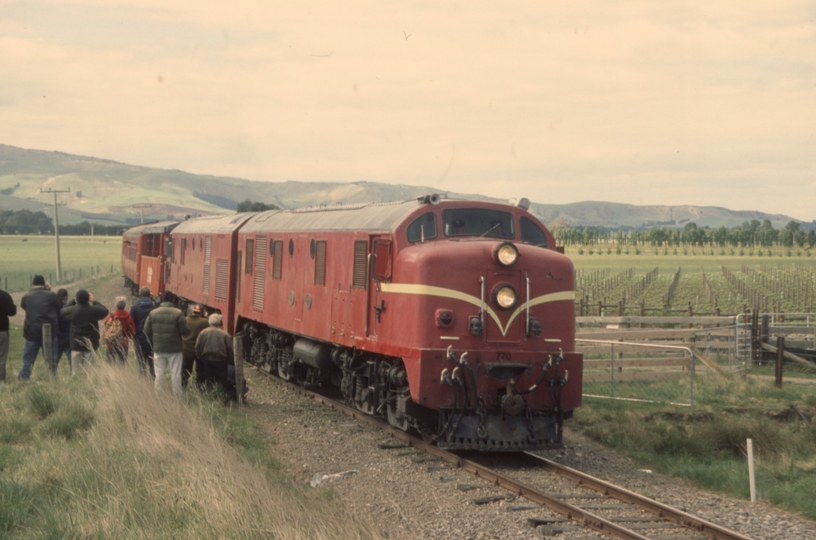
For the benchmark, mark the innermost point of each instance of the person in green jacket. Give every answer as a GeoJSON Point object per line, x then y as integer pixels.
{"type": "Point", "coordinates": [166, 327]}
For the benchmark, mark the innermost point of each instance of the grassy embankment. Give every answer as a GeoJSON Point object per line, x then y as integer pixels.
{"type": "Point", "coordinates": [103, 456]}
{"type": "Point", "coordinates": [707, 444]}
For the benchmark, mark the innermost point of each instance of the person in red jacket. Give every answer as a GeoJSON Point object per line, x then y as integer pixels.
{"type": "Point", "coordinates": [119, 328]}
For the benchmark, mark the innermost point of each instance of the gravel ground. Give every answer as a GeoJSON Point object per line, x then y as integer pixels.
{"type": "Point", "coordinates": [410, 498]}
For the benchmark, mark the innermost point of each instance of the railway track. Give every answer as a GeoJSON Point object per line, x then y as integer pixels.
{"type": "Point", "coordinates": [569, 499]}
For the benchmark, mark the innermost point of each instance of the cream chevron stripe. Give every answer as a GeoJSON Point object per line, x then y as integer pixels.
{"type": "Point", "coordinates": [428, 290]}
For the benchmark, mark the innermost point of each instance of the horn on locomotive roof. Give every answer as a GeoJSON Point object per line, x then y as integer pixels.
{"type": "Point", "coordinates": [523, 203]}
{"type": "Point", "coordinates": [433, 198]}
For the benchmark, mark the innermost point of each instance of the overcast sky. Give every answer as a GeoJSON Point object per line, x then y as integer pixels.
{"type": "Point", "coordinates": [703, 103]}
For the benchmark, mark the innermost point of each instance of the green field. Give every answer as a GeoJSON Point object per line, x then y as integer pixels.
{"type": "Point", "coordinates": [21, 257]}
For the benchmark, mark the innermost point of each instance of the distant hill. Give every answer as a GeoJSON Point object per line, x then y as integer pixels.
{"type": "Point", "coordinates": [104, 191]}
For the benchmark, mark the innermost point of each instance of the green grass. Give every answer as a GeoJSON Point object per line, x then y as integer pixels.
{"type": "Point", "coordinates": [707, 444]}
{"type": "Point", "coordinates": [21, 257]}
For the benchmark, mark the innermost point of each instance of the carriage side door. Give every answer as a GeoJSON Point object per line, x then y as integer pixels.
{"type": "Point", "coordinates": [380, 268]}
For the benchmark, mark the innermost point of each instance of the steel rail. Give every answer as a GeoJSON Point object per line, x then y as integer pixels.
{"type": "Point", "coordinates": [518, 488]}
{"type": "Point", "coordinates": [659, 509]}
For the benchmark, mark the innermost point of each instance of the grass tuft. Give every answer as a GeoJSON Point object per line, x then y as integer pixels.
{"type": "Point", "coordinates": [42, 402]}
{"type": "Point", "coordinates": [68, 421]}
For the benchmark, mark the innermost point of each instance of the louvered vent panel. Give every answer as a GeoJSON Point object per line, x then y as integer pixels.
{"type": "Point", "coordinates": [360, 252]}
{"type": "Point", "coordinates": [206, 289]}
{"type": "Point", "coordinates": [320, 262]}
{"type": "Point", "coordinates": [259, 272]}
{"type": "Point", "coordinates": [276, 266]}
{"type": "Point", "coordinates": [221, 275]}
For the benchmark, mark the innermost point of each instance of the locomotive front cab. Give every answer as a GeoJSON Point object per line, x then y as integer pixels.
{"type": "Point", "coordinates": [491, 309]}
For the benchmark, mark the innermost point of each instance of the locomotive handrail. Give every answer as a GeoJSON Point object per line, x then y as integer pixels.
{"type": "Point", "coordinates": [368, 294]}
{"type": "Point", "coordinates": [527, 324]}
{"type": "Point", "coordinates": [482, 308]}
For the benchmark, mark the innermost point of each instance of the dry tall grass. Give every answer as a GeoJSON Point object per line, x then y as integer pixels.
{"type": "Point", "coordinates": [156, 466]}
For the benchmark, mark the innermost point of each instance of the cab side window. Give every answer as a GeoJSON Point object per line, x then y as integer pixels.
{"type": "Point", "coordinates": [532, 234]}
{"type": "Point", "coordinates": [422, 228]}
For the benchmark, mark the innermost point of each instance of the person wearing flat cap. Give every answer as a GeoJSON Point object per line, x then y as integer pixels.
{"type": "Point", "coordinates": [84, 316]}
{"type": "Point", "coordinates": [196, 322]}
{"type": "Point", "coordinates": [42, 306]}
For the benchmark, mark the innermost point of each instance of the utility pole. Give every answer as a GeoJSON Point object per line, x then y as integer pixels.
{"type": "Point", "coordinates": [56, 226]}
{"type": "Point", "coordinates": [141, 207]}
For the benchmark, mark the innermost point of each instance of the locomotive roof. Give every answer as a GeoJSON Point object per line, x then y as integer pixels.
{"type": "Point", "coordinates": [160, 227]}
{"type": "Point", "coordinates": [214, 224]}
{"type": "Point", "coordinates": [369, 217]}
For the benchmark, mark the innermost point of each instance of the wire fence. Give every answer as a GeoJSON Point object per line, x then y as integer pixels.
{"type": "Point", "coordinates": [22, 281]}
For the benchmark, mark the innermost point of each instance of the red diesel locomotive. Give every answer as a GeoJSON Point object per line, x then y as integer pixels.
{"type": "Point", "coordinates": [451, 318]}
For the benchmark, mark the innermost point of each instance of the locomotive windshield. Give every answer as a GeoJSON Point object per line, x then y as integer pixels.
{"type": "Point", "coordinates": [478, 222]}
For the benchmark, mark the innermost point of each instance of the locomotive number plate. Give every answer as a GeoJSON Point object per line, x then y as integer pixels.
{"type": "Point", "coordinates": [504, 356]}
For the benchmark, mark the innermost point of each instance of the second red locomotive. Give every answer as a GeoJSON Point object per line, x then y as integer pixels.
{"type": "Point", "coordinates": [452, 318]}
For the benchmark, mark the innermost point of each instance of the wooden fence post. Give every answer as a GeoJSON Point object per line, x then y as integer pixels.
{"type": "Point", "coordinates": [780, 359]}
{"type": "Point", "coordinates": [48, 352]}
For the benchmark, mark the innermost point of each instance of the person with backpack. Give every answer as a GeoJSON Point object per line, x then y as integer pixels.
{"type": "Point", "coordinates": [118, 329]}
{"type": "Point", "coordinates": [84, 315]}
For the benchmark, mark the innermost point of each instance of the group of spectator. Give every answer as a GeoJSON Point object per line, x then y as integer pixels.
{"type": "Point", "coordinates": [164, 339]}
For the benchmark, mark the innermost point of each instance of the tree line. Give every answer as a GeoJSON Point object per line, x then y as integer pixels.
{"type": "Point", "coordinates": [28, 222]}
{"type": "Point", "coordinates": [752, 233]}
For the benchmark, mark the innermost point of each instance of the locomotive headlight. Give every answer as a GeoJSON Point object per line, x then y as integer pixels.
{"type": "Point", "coordinates": [506, 254]}
{"type": "Point", "coordinates": [505, 296]}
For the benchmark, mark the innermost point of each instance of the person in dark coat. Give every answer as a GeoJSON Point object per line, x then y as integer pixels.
{"type": "Point", "coordinates": [84, 316]}
{"type": "Point", "coordinates": [63, 335]}
{"type": "Point", "coordinates": [139, 312]}
{"type": "Point", "coordinates": [214, 348]}
{"type": "Point", "coordinates": [197, 322]}
{"type": "Point", "coordinates": [7, 309]}
{"type": "Point", "coordinates": [42, 307]}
